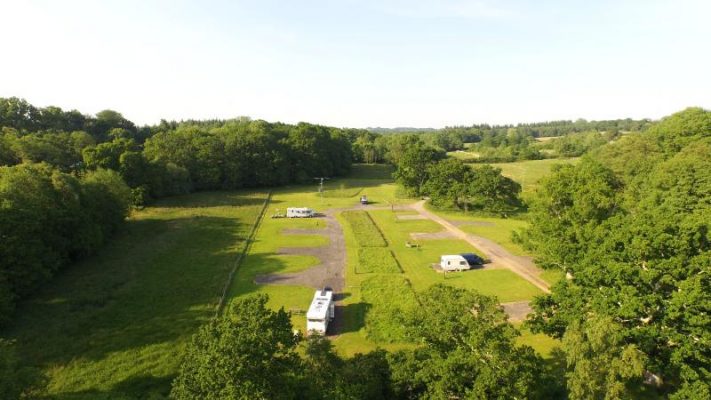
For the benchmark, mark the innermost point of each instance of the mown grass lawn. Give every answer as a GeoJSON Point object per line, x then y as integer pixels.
{"type": "Point", "coordinates": [500, 230]}
{"type": "Point", "coordinates": [114, 325]}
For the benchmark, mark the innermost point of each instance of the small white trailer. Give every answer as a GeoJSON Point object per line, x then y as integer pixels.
{"type": "Point", "coordinates": [321, 312]}
{"type": "Point", "coordinates": [299, 212]}
{"type": "Point", "coordinates": [453, 263]}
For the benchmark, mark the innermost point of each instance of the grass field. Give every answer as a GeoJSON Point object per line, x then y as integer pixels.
{"type": "Point", "coordinates": [263, 257]}
{"type": "Point", "coordinates": [388, 298]}
{"type": "Point", "coordinates": [114, 325]}
{"type": "Point", "coordinates": [378, 260]}
{"type": "Point", "coordinates": [463, 155]}
{"type": "Point", "coordinates": [364, 229]}
{"type": "Point", "coordinates": [529, 173]}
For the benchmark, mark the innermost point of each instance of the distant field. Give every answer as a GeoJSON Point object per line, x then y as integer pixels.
{"type": "Point", "coordinates": [371, 171]}
{"type": "Point", "coordinates": [463, 155]}
{"type": "Point", "coordinates": [529, 173]}
{"type": "Point", "coordinates": [114, 325]}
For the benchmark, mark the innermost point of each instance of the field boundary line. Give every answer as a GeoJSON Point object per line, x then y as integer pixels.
{"type": "Point", "coordinates": [370, 217]}
{"type": "Point", "coordinates": [240, 256]}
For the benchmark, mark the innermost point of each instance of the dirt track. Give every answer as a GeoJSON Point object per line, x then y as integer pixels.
{"type": "Point", "coordinates": [331, 270]}
{"type": "Point", "coordinates": [517, 311]}
{"type": "Point", "coordinates": [522, 266]}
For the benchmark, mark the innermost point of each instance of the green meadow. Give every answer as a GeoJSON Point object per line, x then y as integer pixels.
{"type": "Point", "coordinates": [114, 325]}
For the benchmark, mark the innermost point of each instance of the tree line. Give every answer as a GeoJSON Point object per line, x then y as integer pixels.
{"type": "Point", "coordinates": [67, 181]}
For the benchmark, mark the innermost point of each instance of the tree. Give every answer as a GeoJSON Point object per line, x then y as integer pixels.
{"type": "Point", "coordinates": [602, 365]}
{"type": "Point", "coordinates": [328, 376]}
{"type": "Point", "coordinates": [447, 183]}
{"type": "Point", "coordinates": [249, 353]}
{"type": "Point", "coordinates": [468, 351]}
{"type": "Point", "coordinates": [488, 190]}
{"type": "Point", "coordinates": [412, 168]}
{"type": "Point", "coordinates": [637, 249]}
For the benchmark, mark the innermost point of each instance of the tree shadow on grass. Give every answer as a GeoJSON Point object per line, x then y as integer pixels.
{"type": "Point", "coordinates": [352, 317]}
{"type": "Point", "coordinates": [154, 284]}
{"type": "Point", "coordinates": [136, 387]}
{"type": "Point", "coordinates": [216, 199]}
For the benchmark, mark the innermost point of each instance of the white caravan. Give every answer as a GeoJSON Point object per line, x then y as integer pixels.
{"type": "Point", "coordinates": [321, 312]}
{"type": "Point", "coordinates": [299, 212]}
{"type": "Point", "coordinates": [453, 263]}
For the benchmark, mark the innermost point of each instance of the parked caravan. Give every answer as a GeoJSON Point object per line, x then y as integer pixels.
{"type": "Point", "coordinates": [299, 212]}
{"type": "Point", "coordinates": [453, 263]}
{"type": "Point", "coordinates": [321, 312]}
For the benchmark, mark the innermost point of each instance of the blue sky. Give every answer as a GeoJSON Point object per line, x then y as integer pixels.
{"type": "Point", "coordinates": [360, 63]}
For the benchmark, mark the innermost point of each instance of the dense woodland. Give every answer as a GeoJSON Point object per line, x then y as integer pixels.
{"type": "Point", "coordinates": [629, 225]}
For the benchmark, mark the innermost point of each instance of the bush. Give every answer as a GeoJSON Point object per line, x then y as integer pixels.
{"type": "Point", "coordinates": [366, 232]}
{"type": "Point", "coordinates": [377, 259]}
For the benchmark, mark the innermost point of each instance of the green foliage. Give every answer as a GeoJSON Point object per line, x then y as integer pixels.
{"type": "Point", "coordinates": [682, 128]}
{"type": "Point", "coordinates": [468, 351]}
{"type": "Point", "coordinates": [447, 183]}
{"type": "Point", "coordinates": [390, 299]}
{"type": "Point", "coordinates": [16, 380]}
{"type": "Point", "coordinates": [451, 183]}
{"type": "Point", "coordinates": [47, 219]}
{"type": "Point", "coordinates": [489, 190]}
{"type": "Point", "coordinates": [634, 235]}
{"type": "Point", "coordinates": [602, 365]}
{"type": "Point", "coordinates": [376, 259]}
{"type": "Point", "coordinates": [327, 376]}
{"type": "Point", "coordinates": [366, 232]}
{"type": "Point", "coordinates": [113, 325]}
{"type": "Point", "coordinates": [412, 167]}
{"type": "Point", "coordinates": [576, 145]}
{"type": "Point", "coordinates": [247, 353]}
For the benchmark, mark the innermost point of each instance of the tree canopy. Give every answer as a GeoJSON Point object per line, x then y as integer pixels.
{"type": "Point", "coordinates": [634, 237]}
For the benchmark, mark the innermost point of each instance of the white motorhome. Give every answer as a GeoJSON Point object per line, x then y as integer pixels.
{"type": "Point", "coordinates": [299, 212]}
{"type": "Point", "coordinates": [453, 263]}
{"type": "Point", "coordinates": [321, 312]}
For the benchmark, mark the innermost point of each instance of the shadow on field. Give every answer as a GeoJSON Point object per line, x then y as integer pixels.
{"type": "Point", "coordinates": [214, 199]}
{"type": "Point", "coordinates": [352, 317]}
{"type": "Point", "coordinates": [138, 387]}
{"type": "Point", "coordinates": [149, 289]}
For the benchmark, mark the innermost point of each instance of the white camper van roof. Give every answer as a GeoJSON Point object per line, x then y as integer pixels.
{"type": "Point", "coordinates": [319, 305]}
{"type": "Point", "coordinates": [298, 209]}
{"type": "Point", "coordinates": [453, 257]}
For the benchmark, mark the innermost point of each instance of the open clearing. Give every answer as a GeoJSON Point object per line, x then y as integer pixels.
{"type": "Point", "coordinates": [133, 306]}
{"type": "Point", "coordinates": [529, 173]}
{"type": "Point", "coordinates": [114, 325]}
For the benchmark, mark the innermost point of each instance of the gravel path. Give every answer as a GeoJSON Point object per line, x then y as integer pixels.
{"type": "Point", "coordinates": [518, 310]}
{"type": "Point", "coordinates": [431, 235]}
{"type": "Point", "coordinates": [523, 266]}
{"type": "Point", "coordinates": [331, 270]}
